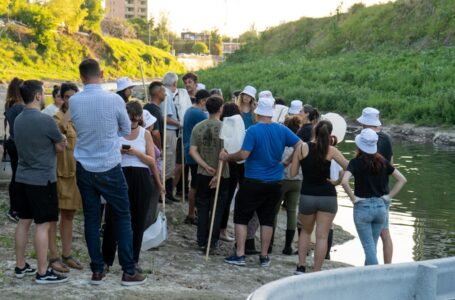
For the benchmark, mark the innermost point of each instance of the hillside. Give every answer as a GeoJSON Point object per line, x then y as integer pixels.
{"type": "Point", "coordinates": [395, 56]}
{"type": "Point", "coordinates": [22, 56]}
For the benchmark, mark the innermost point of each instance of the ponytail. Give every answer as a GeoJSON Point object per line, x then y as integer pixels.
{"type": "Point", "coordinates": [322, 138]}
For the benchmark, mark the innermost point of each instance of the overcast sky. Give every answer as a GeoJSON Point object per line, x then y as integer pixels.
{"type": "Point", "coordinates": [232, 17]}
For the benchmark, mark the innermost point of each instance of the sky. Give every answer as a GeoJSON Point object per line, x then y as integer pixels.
{"type": "Point", "coordinates": [233, 17]}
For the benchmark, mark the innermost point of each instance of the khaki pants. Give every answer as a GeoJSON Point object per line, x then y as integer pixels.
{"type": "Point", "coordinates": [171, 143]}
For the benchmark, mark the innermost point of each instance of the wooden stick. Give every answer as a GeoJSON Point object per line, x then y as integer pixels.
{"type": "Point", "coordinates": [218, 180]}
{"type": "Point", "coordinates": [143, 83]}
{"type": "Point", "coordinates": [183, 169]}
{"type": "Point", "coordinates": [163, 172]}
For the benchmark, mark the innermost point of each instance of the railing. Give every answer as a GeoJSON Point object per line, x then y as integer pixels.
{"type": "Point", "coordinates": [425, 280]}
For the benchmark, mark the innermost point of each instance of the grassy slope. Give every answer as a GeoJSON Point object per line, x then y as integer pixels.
{"type": "Point", "coordinates": [21, 58]}
{"type": "Point", "coordinates": [397, 57]}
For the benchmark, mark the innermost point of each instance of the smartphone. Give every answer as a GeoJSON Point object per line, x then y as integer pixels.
{"type": "Point", "coordinates": [126, 147]}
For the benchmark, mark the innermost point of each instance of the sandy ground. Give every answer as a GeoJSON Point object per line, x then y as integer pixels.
{"type": "Point", "coordinates": [177, 270]}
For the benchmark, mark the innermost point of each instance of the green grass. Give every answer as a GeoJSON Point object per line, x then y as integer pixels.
{"type": "Point", "coordinates": [119, 58]}
{"type": "Point", "coordinates": [396, 56]}
{"type": "Point", "coordinates": [405, 85]}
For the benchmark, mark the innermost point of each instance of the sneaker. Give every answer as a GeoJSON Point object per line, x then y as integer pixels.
{"type": "Point", "coordinates": [264, 261]}
{"type": "Point", "coordinates": [235, 260]}
{"type": "Point", "coordinates": [135, 279]}
{"type": "Point", "coordinates": [26, 270]}
{"type": "Point", "coordinates": [12, 215]}
{"type": "Point", "coordinates": [50, 277]}
{"type": "Point", "coordinates": [300, 270]}
{"type": "Point", "coordinates": [97, 278]}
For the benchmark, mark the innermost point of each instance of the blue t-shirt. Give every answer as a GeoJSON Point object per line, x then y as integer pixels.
{"type": "Point", "coordinates": [247, 119]}
{"type": "Point", "coordinates": [193, 116]}
{"type": "Point", "coordinates": [266, 142]}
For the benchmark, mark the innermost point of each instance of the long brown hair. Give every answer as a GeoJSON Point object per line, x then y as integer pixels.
{"type": "Point", "coordinates": [322, 132]}
{"type": "Point", "coordinates": [373, 162]}
{"type": "Point", "coordinates": [13, 94]}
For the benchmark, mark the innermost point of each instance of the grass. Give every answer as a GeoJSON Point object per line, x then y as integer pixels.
{"type": "Point", "coordinates": [397, 57]}
{"type": "Point", "coordinates": [118, 58]}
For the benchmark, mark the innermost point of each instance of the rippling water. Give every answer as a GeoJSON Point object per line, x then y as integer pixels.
{"type": "Point", "coordinates": [422, 217]}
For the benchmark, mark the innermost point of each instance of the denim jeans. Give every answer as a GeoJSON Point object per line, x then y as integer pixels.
{"type": "Point", "coordinates": [369, 218]}
{"type": "Point", "coordinates": [112, 186]}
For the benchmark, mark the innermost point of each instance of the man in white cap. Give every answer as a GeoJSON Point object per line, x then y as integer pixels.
{"type": "Point", "coordinates": [370, 119]}
{"type": "Point", "coordinates": [261, 190]}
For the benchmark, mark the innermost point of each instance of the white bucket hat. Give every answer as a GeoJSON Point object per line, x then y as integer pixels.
{"type": "Point", "coordinates": [266, 104]}
{"type": "Point", "coordinates": [369, 117]}
{"type": "Point", "coordinates": [367, 141]}
{"type": "Point", "coordinates": [250, 91]}
{"type": "Point", "coordinates": [124, 83]}
{"type": "Point", "coordinates": [200, 86]}
{"type": "Point", "coordinates": [232, 133]}
{"type": "Point", "coordinates": [296, 107]}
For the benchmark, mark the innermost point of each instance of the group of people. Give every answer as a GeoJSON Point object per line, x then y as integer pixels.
{"type": "Point", "coordinates": [104, 152]}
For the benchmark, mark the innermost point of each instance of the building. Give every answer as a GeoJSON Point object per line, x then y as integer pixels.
{"type": "Point", "coordinates": [229, 48]}
{"type": "Point", "coordinates": [193, 36]}
{"type": "Point", "coordinates": [127, 9]}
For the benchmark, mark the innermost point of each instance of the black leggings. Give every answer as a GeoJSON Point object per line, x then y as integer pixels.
{"type": "Point", "coordinates": [141, 188]}
{"type": "Point", "coordinates": [10, 148]}
{"type": "Point", "coordinates": [236, 176]}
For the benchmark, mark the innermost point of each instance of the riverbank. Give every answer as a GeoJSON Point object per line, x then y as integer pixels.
{"type": "Point", "coordinates": [177, 270]}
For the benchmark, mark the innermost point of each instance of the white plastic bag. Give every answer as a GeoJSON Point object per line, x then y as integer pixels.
{"type": "Point", "coordinates": [156, 234]}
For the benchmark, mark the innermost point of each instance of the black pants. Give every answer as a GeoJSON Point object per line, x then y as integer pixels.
{"type": "Point", "coordinates": [236, 176]}
{"type": "Point", "coordinates": [141, 188]}
{"type": "Point", "coordinates": [10, 148]}
{"type": "Point", "coordinates": [204, 203]}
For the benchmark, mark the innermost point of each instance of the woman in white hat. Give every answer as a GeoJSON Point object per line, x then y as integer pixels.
{"type": "Point", "coordinates": [124, 88]}
{"type": "Point", "coordinates": [371, 192]}
{"type": "Point", "coordinates": [247, 102]}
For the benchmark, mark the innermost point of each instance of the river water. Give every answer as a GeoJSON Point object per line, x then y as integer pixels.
{"type": "Point", "coordinates": [422, 217]}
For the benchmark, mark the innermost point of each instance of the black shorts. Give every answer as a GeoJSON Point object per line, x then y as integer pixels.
{"type": "Point", "coordinates": [178, 151]}
{"type": "Point", "coordinates": [194, 176]}
{"type": "Point", "coordinates": [256, 196]}
{"type": "Point", "coordinates": [310, 205]}
{"type": "Point", "coordinates": [37, 202]}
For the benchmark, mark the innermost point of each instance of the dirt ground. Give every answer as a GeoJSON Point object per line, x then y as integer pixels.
{"type": "Point", "coordinates": [177, 270]}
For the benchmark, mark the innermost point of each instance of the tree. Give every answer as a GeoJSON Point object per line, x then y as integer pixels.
{"type": "Point", "coordinates": [250, 35]}
{"type": "Point", "coordinates": [69, 13]}
{"type": "Point", "coordinates": [162, 44]}
{"type": "Point", "coordinates": [41, 20]}
{"type": "Point", "coordinates": [4, 7]}
{"type": "Point", "coordinates": [216, 43]}
{"type": "Point", "coordinates": [144, 29]}
{"type": "Point", "coordinates": [118, 28]}
{"type": "Point", "coordinates": [200, 48]}
{"type": "Point", "coordinates": [95, 15]}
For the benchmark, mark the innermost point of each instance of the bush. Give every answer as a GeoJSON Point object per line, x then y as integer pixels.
{"type": "Point", "coordinates": [200, 48]}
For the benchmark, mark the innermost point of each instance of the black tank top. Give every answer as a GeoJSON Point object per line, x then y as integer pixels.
{"type": "Point", "coordinates": [315, 176]}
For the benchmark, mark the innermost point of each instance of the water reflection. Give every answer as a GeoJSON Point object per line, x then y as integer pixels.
{"type": "Point", "coordinates": [422, 221]}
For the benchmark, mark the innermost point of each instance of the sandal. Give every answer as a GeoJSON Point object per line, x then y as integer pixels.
{"type": "Point", "coordinates": [57, 265]}
{"type": "Point", "coordinates": [72, 262]}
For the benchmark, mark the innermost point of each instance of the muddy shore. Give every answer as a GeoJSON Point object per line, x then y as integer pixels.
{"type": "Point", "coordinates": [177, 270]}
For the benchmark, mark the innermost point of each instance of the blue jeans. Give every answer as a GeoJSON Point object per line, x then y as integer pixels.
{"type": "Point", "coordinates": [369, 218]}
{"type": "Point", "coordinates": [112, 186]}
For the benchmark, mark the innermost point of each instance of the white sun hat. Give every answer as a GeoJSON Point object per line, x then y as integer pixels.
{"type": "Point", "coordinates": [250, 91]}
{"type": "Point", "coordinates": [367, 141]}
{"type": "Point", "coordinates": [296, 107]}
{"type": "Point", "coordinates": [124, 83]}
{"type": "Point", "coordinates": [369, 117]}
{"type": "Point", "coordinates": [200, 86]}
{"type": "Point", "coordinates": [266, 104]}
{"type": "Point", "coordinates": [232, 133]}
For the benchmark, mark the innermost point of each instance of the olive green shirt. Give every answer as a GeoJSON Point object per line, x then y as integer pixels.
{"type": "Point", "coordinates": [206, 137]}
